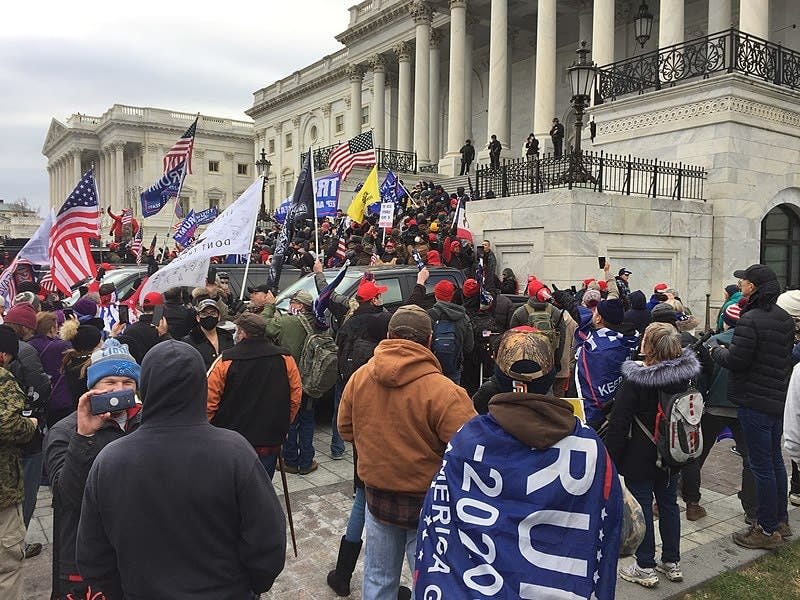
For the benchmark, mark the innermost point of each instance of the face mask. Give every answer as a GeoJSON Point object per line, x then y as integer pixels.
{"type": "Point", "coordinates": [208, 323]}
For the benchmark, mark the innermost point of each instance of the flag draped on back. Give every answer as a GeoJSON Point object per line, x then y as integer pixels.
{"type": "Point", "coordinates": [127, 217]}
{"type": "Point", "coordinates": [301, 208]}
{"type": "Point", "coordinates": [360, 151]}
{"type": "Point", "coordinates": [136, 246]}
{"type": "Point", "coordinates": [460, 224]}
{"type": "Point", "coordinates": [368, 194]}
{"type": "Point", "coordinates": [70, 257]}
{"type": "Point", "coordinates": [181, 151]}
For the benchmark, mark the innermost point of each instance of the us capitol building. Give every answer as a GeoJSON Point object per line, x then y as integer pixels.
{"type": "Point", "coordinates": [692, 170]}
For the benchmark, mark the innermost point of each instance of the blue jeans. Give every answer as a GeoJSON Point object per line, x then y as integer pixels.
{"type": "Point", "coordinates": [32, 478]}
{"type": "Point", "coordinates": [669, 520]}
{"type": "Point", "coordinates": [337, 443]}
{"type": "Point", "coordinates": [269, 461]}
{"type": "Point", "coordinates": [762, 433]}
{"type": "Point", "coordinates": [355, 524]}
{"type": "Point", "coordinates": [298, 449]}
{"type": "Point", "coordinates": [383, 558]}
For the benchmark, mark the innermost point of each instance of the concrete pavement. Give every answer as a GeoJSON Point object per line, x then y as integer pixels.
{"type": "Point", "coordinates": [321, 504]}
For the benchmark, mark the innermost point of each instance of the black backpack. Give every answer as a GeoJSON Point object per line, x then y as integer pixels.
{"type": "Point", "coordinates": [446, 346]}
{"type": "Point", "coordinates": [362, 351]}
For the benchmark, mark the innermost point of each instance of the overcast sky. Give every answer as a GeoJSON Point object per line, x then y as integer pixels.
{"type": "Point", "coordinates": [59, 58]}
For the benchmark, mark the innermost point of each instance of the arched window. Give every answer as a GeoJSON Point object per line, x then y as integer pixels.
{"type": "Point", "coordinates": [780, 244]}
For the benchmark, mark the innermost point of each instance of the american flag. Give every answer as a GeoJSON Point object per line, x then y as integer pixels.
{"type": "Point", "coordinates": [136, 246]}
{"type": "Point", "coordinates": [181, 150]}
{"type": "Point", "coordinates": [360, 151]}
{"type": "Point", "coordinates": [8, 283]}
{"type": "Point", "coordinates": [127, 216]}
{"type": "Point", "coordinates": [341, 247]}
{"type": "Point", "coordinates": [70, 257]}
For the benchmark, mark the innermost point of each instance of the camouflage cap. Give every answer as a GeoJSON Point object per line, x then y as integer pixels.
{"type": "Point", "coordinates": [524, 354]}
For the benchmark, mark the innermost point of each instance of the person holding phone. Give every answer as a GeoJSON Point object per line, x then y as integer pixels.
{"type": "Point", "coordinates": [150, 329]}
{"type": "Point", "coordinates": [71, 447]}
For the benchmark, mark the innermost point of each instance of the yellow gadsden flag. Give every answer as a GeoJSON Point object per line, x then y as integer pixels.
{"type": "Point", "coordinates": [368, 194]}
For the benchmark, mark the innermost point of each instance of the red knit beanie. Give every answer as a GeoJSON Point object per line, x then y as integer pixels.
{"type": "Point", "coordinates": [444, 291]}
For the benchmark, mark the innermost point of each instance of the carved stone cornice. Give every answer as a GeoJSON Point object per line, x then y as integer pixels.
{"type": "Point", "coordinates": [403, 51]}
{"type": "Point", "coordinates": [301, 91]}
{"type": "Point", "coordinates": [436, 39]}
{"type": "Point", "coordinates": [368, 27]}
{"type": "Point", "coordinates": [377, 63]}
{"type": "Point", "coordinates": [355, 73]}
{"type": "Point", "coordinates": [705, 109]}
{"type": "Point", "coordinates": [421, 12]}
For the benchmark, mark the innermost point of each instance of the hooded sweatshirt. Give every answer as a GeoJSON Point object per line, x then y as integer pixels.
{"type": "Point", "coordinates": [400, 411]}
{"type": "Point", "coordinates": [529, 471]}
{"type": "Point", "coordinates": [638, 315]}
{"type": "Point", "coordinates": [179, 509]}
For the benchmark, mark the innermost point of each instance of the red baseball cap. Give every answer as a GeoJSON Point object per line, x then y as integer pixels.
{"type": "Point", "coordinates": [660, 287]}
{"type": "Point", "coordinates": [153, 299]}
{"type": "Point", "coordinates": [367, 290]}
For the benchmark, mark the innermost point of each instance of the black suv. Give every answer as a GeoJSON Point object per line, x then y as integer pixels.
{"type": "Point", "coordinates": [400, 279]}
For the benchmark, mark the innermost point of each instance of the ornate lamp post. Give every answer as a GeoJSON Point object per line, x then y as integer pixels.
{"type": "Point", "coordinates": [643, 24]}
{"type": "Point", "coordinates": [581, 81]}
{"type": "Point", "coordinates": [262, 167]}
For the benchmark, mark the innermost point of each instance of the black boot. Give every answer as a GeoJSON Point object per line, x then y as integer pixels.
{"type": "Point", "coordinates": [339, 578]}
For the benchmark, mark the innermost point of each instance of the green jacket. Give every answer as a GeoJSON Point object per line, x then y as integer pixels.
{"type": "Point", "coordinates": [732, 300]}
{"type": "Point", "coordinates": [286, 330]}
{"type": "Point", "coordinates": [14, 430]}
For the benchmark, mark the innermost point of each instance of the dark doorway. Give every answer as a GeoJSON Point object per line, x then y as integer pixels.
{"type": "Point", "coordinates": [780, 244]}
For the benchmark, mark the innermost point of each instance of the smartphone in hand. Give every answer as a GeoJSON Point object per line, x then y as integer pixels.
{"type": "Point", "coordinates": [124, 314]}
{"type": "Point", "coordinates": [601, 261]}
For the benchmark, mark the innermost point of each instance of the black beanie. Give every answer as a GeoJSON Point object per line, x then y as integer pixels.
{"type": "Point", "coordinates": [86, 339]}
{"type": "Point", "coordinates": [9, 342]}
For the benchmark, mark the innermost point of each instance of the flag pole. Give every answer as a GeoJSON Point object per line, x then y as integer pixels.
{"type": "Point", "coordinates": [250, 253]}
{"type": "Point", "coordinates": [180, 189]}
{"type": "Point", "coordinates": [314, 192]}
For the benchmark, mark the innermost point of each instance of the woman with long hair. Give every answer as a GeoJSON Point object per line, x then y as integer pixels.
{"type": "Point", "coordinates": [665, 368]}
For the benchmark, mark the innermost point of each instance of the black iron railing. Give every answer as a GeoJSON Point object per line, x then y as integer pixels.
{"type": "Point", "coordinates": [729, 51]}
{"type": "Point", "coordinates": [596, 171]}
{"type": "Point", "coordinates": [434, 168]}
{"type": "Point", "coordinates": [398, 161]}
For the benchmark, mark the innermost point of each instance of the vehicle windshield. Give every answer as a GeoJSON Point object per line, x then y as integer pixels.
{"type": "Point", "coordinates": [307, 284]}
{"type": "Point", "coordinates": [123, 279]}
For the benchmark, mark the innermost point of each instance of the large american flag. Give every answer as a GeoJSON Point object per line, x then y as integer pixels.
{"type": "Point", "coordinates": [181, 150]}
{"type": "Point", "coordinates": [360, 151]}
{"type": "Point", "coordinates": [136, 246]}
{"type": "Point", "coordinates": [8, 283]}
{"type": "Point", "coordinates": [70, 256]}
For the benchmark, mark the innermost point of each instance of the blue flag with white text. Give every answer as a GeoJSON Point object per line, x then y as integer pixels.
{"type": "Point", "coordinates": [186, 229]}
{"type": "Point", "coordinates": [204, 217]}
{"type": "Point", "coordinates": [168, 185]}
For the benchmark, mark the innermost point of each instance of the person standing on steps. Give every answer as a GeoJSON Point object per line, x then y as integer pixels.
{"type": "Point", "coordinates": [494, 148]}
{"type": "Point", "coordinates": [557, 137]}
{"type": "Point", "coordinates": [467, 156]}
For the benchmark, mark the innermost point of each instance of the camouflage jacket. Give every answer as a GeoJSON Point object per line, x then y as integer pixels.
{"type": "Point", "coordinates": [14, 430]}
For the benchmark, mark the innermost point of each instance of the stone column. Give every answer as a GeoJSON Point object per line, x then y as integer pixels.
{"type": "Point", "coordinates": [754, 18]}
{"type": "Point", "coordinates": [378, 111]}
{"type": "Point", "coordinates": [603, 31]}
{"type": "Point", "coordinates": [585, 22]}
{"type": "Point", "coordinates": [391, 112]}
{"type": "Point", "coordinates": [468, 64]}
{"type": "Point", "coordinates": [670, 26]}
{"type": "Point", "coordinates": [356, 74]}
{"type": "Point", "coordinates": [498, 71]}
{"type": "Point", "coordinates": [545, 92]}
{"type": "Point", "coordinates": [422, 14]}
{"type": "Point", "coordinates": [455, 100]}
{"type": "Point", "coordinates": [403, 52]}
{"type": "Point", "coordinates": [50, 176]}
{"type": "Point", "coordinates": [719, 15]}
{"type": "Point", "coordinates": [76, 167]}
{"type": "Point", "coordinates": [108, 185]}
{"type": "Point", "coordinates": [119, 176]}
{"type": "Point", "coordinates": [434, 100]}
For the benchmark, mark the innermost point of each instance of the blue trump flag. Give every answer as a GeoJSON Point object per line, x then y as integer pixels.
{"type": "Point", "coordinates": [327, 195]}
{"type": "Point", "coordinates": [204, 217]}
{"type": "Point", "coordinates": [168, 186]}
{"type": "Point", "coordinates": [388, 189]}
{"type": "Point", "coordinates": [283, 210]}
{"type": "Point", "coordinates": [186, 229]}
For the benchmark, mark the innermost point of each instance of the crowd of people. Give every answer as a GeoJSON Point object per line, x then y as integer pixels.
{"type": "Point", "coordinates": [507, 406]}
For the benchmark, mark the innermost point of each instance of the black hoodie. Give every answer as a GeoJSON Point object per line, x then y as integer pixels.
{"type": "Point", "coordinates": [179, 509]}
{"type": "Point", "coordinates": [638, 315]}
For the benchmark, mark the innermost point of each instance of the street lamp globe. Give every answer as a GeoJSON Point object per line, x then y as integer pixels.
{"type": "Point", "coordinates": [643, 24]}
{"type": "Point", "coordinates": [581, 75]}
{"type": "Point", "coordinates": [263, 165]}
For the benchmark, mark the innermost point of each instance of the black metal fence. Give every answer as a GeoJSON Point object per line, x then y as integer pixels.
{"type": "Point", "coordinates": [596, 171]}
{"type": "Point", "coordinates": [398, 161]}
{"type": "Point", "coordinates": [729, 51]}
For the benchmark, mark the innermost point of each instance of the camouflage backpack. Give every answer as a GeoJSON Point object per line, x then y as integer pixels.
{"type": "Point", "coordinates": [542, 320]}
{"type": "Point", "coordinates": [319, 363]}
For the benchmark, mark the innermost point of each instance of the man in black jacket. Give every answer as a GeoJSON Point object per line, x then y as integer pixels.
{"type": "Point", "coordinates": [467, 156]}
{"type": "Point", "coordinates": [179, 509]}
{"type": "Point", "coordinates": [759, 361]}
{"type": "Point", "coordinates": [70, 449]}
